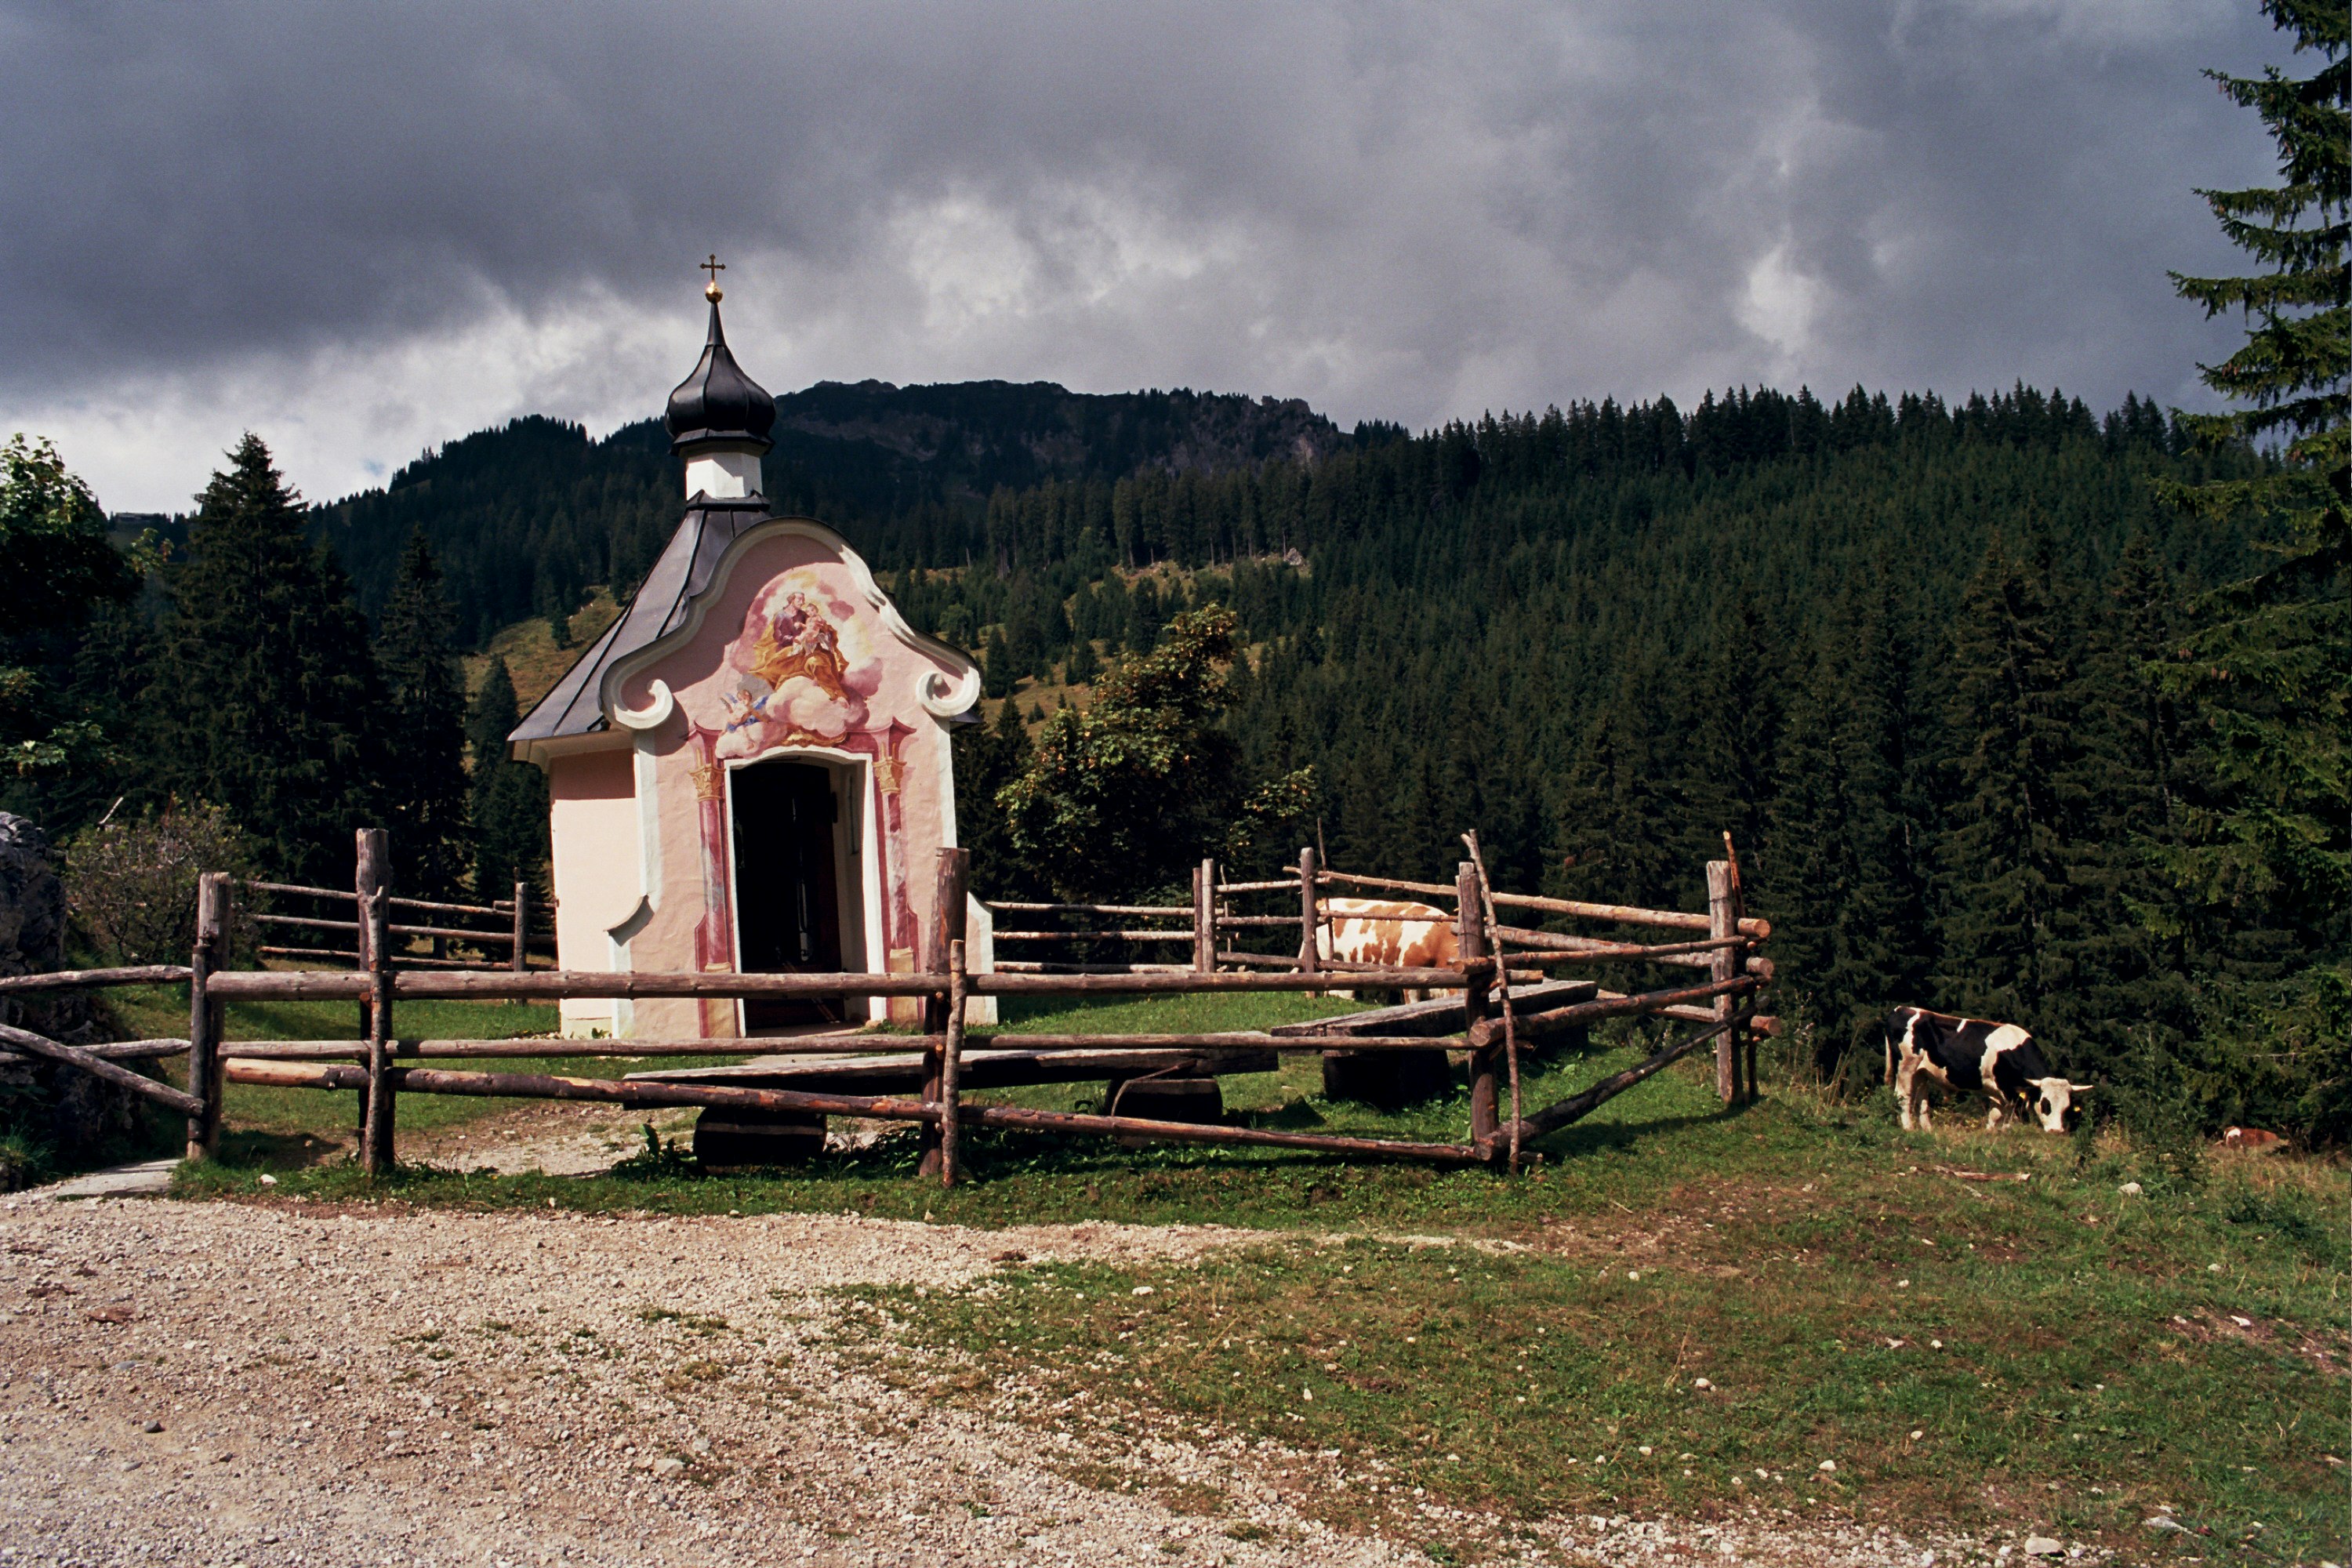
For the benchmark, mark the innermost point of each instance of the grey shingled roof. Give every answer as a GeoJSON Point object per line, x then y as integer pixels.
{"type": "Point", "coordinates": [659, 607]}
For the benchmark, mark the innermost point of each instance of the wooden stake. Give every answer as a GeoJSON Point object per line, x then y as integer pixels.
{"type": "Point", "coordinates": [521, 927]}
{"type": "Point", "coordinates": [951, 1070]}
{"type": "Point", "coordinates": [206, 1012]}
{"type": "Point", "coordinates": [1495, 943]}
{"type": "Point", "coordinates": [947, 931]}
{"type": "Point", "coordinates": [1205, 917]}
{"type": "Point", "coordinates": [374, 886]}
{"type": "Point", "coordinates": [1723, 920]}
{"type": "Point", "coordinates": [1747, 1032]}
{"type": "Point", "coordinates": [1470, 942]}
{"type": "Point", "coordinates": [1309, 916]}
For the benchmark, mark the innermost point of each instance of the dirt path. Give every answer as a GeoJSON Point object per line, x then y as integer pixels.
{"type": "Point", "coordinates": [218, 1383]}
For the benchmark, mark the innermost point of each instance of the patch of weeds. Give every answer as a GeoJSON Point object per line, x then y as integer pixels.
{"type": "Point", "coordinates": [1243, 1531]}
{"type": "Point", "coordinates": [659, 1158]}
{"type": "Point", "coordinates": [1096, 1476]}
{"type": "Point", "coordinates": [2291, 1215]}
{"type": "Point", "coordinates": [1189, 1497]}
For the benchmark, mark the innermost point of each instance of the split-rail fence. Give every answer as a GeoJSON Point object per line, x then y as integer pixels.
{"type": "Point", "coordinates": [1491, 1004]}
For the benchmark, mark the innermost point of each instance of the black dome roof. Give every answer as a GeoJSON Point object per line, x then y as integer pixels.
{"type": "Point", "coordinates": [718, 402]}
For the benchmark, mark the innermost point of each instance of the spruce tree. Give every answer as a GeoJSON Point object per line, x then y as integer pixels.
{"type": "Point", "coordinates": [2268, 855]}
{"type": "Point", "coordinates": [997, 671]}
{"type": "Point", "coordinates": [1613, 818]}
{"type": "Point", "coordinates": [424, 731]}
{"type": "Point", "coordinates": [987, 758]}
{"type": "Point", "coordinates": [1842, 875]}
{"type": "Point", "coordinates": [508, 799]}
{"type": "Point", "coordinates": [2012, 922]}
{"type": "Point", "coordinates": [265, 700]}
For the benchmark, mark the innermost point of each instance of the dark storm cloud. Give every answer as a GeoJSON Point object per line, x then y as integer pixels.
{"type": "Point", "coordinates": [368, 227]}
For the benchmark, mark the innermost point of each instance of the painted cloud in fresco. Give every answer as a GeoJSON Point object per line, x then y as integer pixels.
{"type": "Point", "coordinates": [801, 671]}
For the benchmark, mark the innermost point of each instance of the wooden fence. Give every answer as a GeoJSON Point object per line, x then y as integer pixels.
{"type": "Point", "coordinates": [1502, 1011]}
{"type": "Point", "coordinates": [501, 926]}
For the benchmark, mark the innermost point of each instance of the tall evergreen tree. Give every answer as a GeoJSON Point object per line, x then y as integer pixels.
{"type": "Point", "coordinates": [508, 799]}
{"type": "Point", "coordinates": [1613, 818]}
{"type": "Point", "coordinates": [265, 697]}
{"type": "Point", "coordinates": [998, 671]}
{"type": "Point", "coordinates": [1844, 863]}
{"type": "Point", "coordinates": [987, 758]}
{"type": "Point", "coordinates": [2268, 855]}
{"type": "Point", "coordinates": [422, 730]}
{"type": "Point", "coordinates": [2024, 793]}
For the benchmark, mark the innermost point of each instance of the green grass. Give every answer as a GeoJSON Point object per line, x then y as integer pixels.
{"type": "Point", "coordinates": [2085, 1374]}
{"type": "Point", "coordinates": [2089, 1338]}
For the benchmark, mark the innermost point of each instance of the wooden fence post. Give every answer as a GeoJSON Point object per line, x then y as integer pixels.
{"type": "Point", "coordinates": [521, 926]}
{"type": "Point", "coordinates": [952, 1069]}
{"type": "Point", "coordinates": [1310, 912]}
{"type": "Point", "coordinates": [374, 886]}
{"type": "Point", "coordinates": [204, 1013]}
{"type": "Point", "coordinates": [1491, 928]}
{"type": "Point", "coordinates": [947, 931]}
{"type": "Point", "coordinates": [1724, 963]}
{"type": "Point", "coordinates": [1204, 918]}
{"type": "Point", "coordinates": [1470, 942]}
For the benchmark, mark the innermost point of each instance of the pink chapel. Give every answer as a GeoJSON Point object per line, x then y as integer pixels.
{"type": "Point", "coordinates": [749, 770]}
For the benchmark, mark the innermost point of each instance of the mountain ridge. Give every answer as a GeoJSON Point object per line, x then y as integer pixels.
{"type": "Point", "coordinates": [528, 516]}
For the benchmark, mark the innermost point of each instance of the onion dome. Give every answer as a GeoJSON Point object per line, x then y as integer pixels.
{"type": "Point", "coordinates": [718, 403]}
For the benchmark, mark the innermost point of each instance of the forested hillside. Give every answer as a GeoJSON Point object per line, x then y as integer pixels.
{"type": "Point", "coordinates": [1900, 651]}
{"type": "Point", "coordinates": [526, 518]}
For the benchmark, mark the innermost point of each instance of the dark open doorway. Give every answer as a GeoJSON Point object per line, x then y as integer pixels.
{"type": "Point", "coordinates": [787, 886]}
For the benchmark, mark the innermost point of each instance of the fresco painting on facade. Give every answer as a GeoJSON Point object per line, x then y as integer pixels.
{"type": "Point", "coordinates": [804, 665]}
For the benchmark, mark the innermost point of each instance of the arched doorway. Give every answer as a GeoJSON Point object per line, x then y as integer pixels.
{"type": "Point", "coordinates": [794, 825]}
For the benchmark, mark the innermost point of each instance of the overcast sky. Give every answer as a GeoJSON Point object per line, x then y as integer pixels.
{"type": "Point", "coordinates": [361, 230]}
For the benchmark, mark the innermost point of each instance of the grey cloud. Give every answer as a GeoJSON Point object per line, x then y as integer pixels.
{"type": "Point", "coordinates": [1404, 211]}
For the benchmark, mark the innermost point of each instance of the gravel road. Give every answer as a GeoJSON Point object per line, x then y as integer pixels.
{"type": "Point", "coordinates": [218, 1383]}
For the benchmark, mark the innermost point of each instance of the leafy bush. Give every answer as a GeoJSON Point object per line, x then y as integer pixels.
{"type": "Point", "coordinates": [130, 885]}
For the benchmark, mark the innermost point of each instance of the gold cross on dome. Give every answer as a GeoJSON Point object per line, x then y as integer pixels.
{"type": "Point", "coordinates": [714, 266]}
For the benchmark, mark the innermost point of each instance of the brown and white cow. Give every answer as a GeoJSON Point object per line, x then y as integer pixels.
{"type": "Point", "coordinates": [1973, 1055]}
{"type": "Point", "coordinates": [1394, 933]}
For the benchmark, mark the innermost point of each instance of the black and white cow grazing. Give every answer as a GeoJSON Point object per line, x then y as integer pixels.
{"type": "Point", "coordinates": [1969, 1056]}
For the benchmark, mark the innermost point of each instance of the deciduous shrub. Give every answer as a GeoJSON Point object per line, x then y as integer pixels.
{"type": "Point", "coordinates": [131, 883]}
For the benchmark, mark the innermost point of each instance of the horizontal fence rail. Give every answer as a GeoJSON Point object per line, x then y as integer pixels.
{"type": "Point", "coordinates": [70, 979]}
